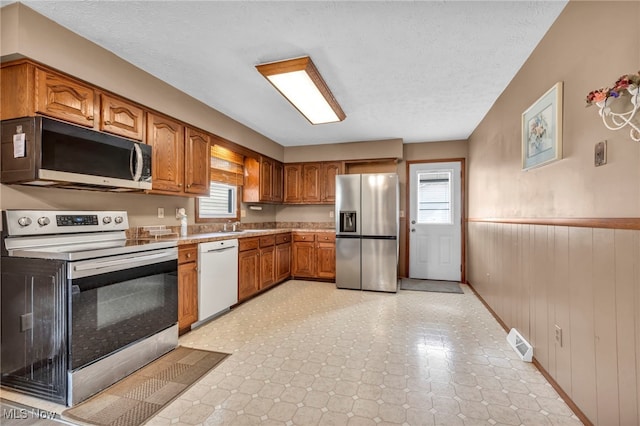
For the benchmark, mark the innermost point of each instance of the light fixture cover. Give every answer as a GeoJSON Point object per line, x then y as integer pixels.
{"type": "Point", "coordinates": [299, 81]}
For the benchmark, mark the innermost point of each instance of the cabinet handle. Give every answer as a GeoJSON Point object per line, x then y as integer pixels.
{"type": "Point", "coordinates": [326, 238]}
{"type": "Point", "coordinates": [189, 186]}
{"type": "Point", "coordinates": [304, 238]}
{"type": "Point", "coordinates": [180, 185]}
{"type": "Point", "coordinates": [188, 255]}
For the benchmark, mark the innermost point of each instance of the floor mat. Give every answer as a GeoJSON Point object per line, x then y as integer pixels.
{"type": "Point", "coordinates": [430, 285]}
{"type": "Point", "coordinates": [137, 397]}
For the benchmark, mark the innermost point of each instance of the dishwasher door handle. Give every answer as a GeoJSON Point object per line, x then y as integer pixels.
{"type": "Point", "coordinates": [220, 250]}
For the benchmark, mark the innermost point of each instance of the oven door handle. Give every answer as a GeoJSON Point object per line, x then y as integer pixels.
{"type": "Point", "coordinates": [124, 263]}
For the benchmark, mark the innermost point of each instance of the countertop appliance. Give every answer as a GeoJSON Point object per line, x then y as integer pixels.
{"type": "Point", "coordinates": [217, 278]}
{"type": "Point", "coordinates": [45, 152]}
{"type": "Point", "coordinates": [82, 306]}
{"type": "Point", "coordinates": [367, 231]}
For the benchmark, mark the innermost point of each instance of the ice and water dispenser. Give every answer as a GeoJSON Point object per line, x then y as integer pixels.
{"type": "Point", "coordinates": [347, 221]}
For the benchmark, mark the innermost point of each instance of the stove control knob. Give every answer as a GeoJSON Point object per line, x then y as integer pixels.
{"type": "Point", "coordinates": [43, 221]}
{"type": "Point", "coordinates": [119, 219]}
{"type": "Point", "coordinates": [106, 220]}
{"type": "Point", "coordinates": [24, 221]}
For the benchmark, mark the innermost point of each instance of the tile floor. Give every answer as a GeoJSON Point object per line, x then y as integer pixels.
{"type": "Point", "coordinates": [306, 353]}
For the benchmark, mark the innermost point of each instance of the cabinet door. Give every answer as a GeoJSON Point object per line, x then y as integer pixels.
{"type": "Point", "coordinates": [166, 137]}
{"type": "Point", "coordinates": [266, 179]}
{"type": "Point", "coordinates": [326, 260]}
{"type": "Point", "coordinates": [311, 182]}
{"type": "Point", "coordinates": [121, 118]}
{"type": "Point", "coordinates": [197, 155]}
{"type": "Point", "coordinates": [303, 259]}
{"type": "Point", "coordinates": [283, 261]}
{"type": "Point", "coordinates": [293, 183]}
{"type": "Point", "coordinates": [329, 172]}
{"type": "Point", "coordinates": [267, 266]}
{"type": "Point", "coordinates": [187, 295]}
{"type": "Point", "coordinates": [248, 273]}
{"type": "Point", "coordinates": [277, 178]}
{"type": "Point", "coordinates": [65, 99]}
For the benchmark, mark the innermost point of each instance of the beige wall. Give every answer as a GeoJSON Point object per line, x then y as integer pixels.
{"type": "Point", "coordinates": [584, 58]}
{"type": "Point", "coordinates": [390, 148]}
{"type": "Point", "coordinates": [585, 280]}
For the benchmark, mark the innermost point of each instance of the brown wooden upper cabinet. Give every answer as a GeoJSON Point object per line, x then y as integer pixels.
{"type": "Point", "coordinates": [311, 183]}
{"type": "Point", "coordinates": [197, 165]}
{"type": "Point", "coordinates": [181, 157]}
{"type": "Point", "coordinates": [166, 137]}
{"type": "Point", "coordinates": [28, 90]}
{"type": "Point", "coordinates": [64, 98]}
{"type": "Point", "coordinates": [262, 180]}
{"type": "Point", "coordinates": [121, 118]}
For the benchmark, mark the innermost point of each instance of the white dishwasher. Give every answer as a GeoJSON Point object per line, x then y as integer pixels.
{"type": "Point", "coordinates": [217, 277]}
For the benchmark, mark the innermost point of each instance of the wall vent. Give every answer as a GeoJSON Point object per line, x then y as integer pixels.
{"type": "Point", "coordinates": [520, 345]}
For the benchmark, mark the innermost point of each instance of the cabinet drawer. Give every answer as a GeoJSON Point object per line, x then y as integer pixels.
{"type": "Point", "coordinates": [248, 244]}
{"type": "Point", "coordinates": [326, 237]}
{"type": "Point", "coordinates": [267, 240]}
{"type": "Point", "coordinates": [283, 238]}
{"type": "Point", "coordinates": [187, 254]}
{"type": "Point", "coordinates": [304, 236]}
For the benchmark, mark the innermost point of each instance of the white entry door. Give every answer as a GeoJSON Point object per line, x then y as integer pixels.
{"type": "Point", "coordinates": [435, 223]}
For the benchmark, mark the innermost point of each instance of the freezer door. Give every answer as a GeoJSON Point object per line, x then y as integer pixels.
{"type": "Point", "coordinates": [379, 212]}
{"type": "Point", "coordinates": [348, 263]}
{"type": "Point", "coordinates": [347, 201]}
{"type": "Point", "coordinates": [380, 264]}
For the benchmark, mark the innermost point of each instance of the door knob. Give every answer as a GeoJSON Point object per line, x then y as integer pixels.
{"type": "Point", "coordinates": [413, 229]}
{"type": "Point", "coordinates": [413, 222]}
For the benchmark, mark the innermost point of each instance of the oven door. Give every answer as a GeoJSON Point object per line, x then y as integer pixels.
{"type": "Point", "coordinates": [119, 300]}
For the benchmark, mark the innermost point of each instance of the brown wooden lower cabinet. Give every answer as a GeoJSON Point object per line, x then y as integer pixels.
{"type": "Point", "coordinates": [283, 257]}
{"type": "Point", "coordinates": [187, 287]}
{"type": "Point", "coordinates": [314, 255]}
{"type": "Point", "coordinates": [262, 262]}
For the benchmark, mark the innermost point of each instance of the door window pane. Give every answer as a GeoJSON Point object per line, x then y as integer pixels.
{"type": "Point", "coordinates": [434, 197]}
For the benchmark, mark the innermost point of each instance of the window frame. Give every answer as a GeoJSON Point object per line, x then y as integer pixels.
{"type": "Point", "coordinates": [199, 219]}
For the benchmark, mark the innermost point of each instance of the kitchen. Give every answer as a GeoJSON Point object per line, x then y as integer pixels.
{"type": "Point", "coordinates": [573, 198]}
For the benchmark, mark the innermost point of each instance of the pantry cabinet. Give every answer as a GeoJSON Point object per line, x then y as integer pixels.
{"type": "Point", "coordinates": [311, 183]}
{"type": "Point", "coordinates": [314, 255]}
{"type": "Point", "coordinates": [187, 287]}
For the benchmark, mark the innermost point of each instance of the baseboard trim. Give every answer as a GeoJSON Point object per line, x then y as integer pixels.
{"type": "Point", "coordinates": [567, 399]}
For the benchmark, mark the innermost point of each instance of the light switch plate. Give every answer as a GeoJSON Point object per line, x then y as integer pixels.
{"type": "Point", "coordinates": [600, 156]}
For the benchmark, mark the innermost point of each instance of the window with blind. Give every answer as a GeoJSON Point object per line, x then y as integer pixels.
{"type": "Point", "coordinates": [434, 198]}
{"type": "Point", "coordinates": [226, 178]}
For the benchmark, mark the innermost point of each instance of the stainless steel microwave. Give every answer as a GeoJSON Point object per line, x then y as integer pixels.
{"type": "Point", "coordinates": [45, 152]}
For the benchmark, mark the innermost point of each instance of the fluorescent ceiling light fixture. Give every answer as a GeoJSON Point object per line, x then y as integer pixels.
{"type": "Point", "coordinates": [299, 81]}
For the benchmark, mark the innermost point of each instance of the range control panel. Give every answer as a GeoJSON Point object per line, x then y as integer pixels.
{"type": "Point", "coordinates": [47, 222]}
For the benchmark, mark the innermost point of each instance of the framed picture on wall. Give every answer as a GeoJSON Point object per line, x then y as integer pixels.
{"type": "Point", "coordinates": [542, 129]}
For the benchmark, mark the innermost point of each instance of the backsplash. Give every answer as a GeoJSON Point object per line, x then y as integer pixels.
{"type": "Point", "coordinates": [208, 228]}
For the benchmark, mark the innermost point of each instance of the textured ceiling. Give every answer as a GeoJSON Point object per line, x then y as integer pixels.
{"type": "Point", "coordinates": [418, 71]}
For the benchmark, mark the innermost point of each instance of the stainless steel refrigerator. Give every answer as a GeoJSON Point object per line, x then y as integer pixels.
{"type": "Point", "coordinates": [367, 231]}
